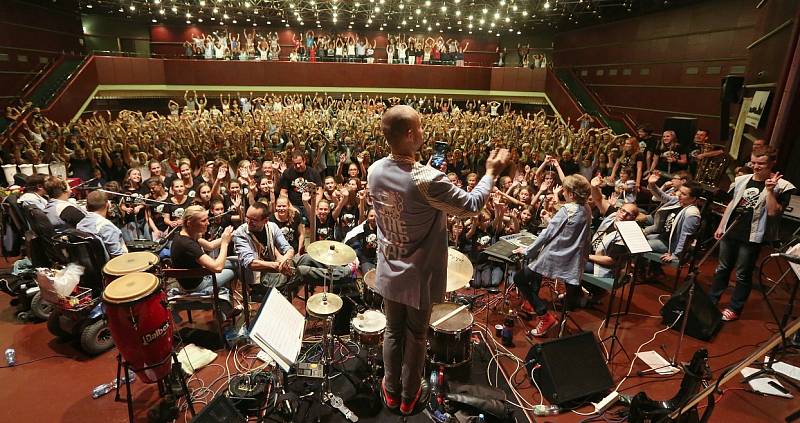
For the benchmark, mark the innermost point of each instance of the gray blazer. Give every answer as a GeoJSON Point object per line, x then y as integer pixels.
{"type": "Point", "coordinates": [412, 202]}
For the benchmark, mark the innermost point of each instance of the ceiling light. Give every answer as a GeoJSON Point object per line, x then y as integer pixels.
{"type": "Point", "coordinates": [121, 9]}
{"type": "Point", "coordinates": [189, 22]}
{"type": "Point", "coordinates": [377, 9]}
{"type": "Point", "coordinates": [132, 7]}
{"type": "Point", "coordinates": [200, 20]}
{"type": "Point", "coordinates": [225, 16]}
{"type": "Point", "coordinates": [188, 15]}
{"type": "Point", "coordinates": [234, 21]}
{"type": "Point", "coordinates": [496, 15]}
{"type": "Point", "coordinates": [269, 23]}
{"type": "Point", "coordinates": [546, 5]}
{"type": "Point", "coordinates": [485, 10]}
{"type": "Point", "coordinates": [524, 13]}
{"type": "Point", "coordinates": [418, 11]}
{"type": "Point", "coordinates": [402, 6]}
{"type": "Point", "coordinates": [429, 28]}
{"type": "Point", "coordinates": [444, 8]}
{"type": "Point", "coordinates": [469, 26]}
{"type": "Point", "coordinates": [247, 4]}
{"type": "Point", "coordinates": [491, 25]}
{"type": "Point", "coordinates": [458, 13]}
{"type": "Point", "coordinates": [154, 21]}
{"type": "Point", "coordinates": [215, 10]}
{"type": "Point", "coordinates": [174, 9]}
{"type": "Point", "coordinates": [483, 21]}
{"type": "Point", "coordinates": [424, 21]}
{"type": "Point", "coordinates": [404, 22]}
{"type": "Point", "coordinates": [508, 19]}
{"type": "Point", "coordinates": [202, 2]}
{"type": "Point", "coordinates": [469, 17]}
{"type": "Point", "coordinates": [427, 3]}
{"type": "Point", "coordinates": [519, 32]}
{"type": "Point", "coordinates": [156, 1]}
{"type": "Point", "coordinates": [88, 6]}
{"type": "Point", "coordinates": [161, 11]}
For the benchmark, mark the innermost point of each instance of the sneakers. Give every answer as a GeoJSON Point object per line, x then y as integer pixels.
{"type": "Point", "coordinates": [391, 402]}
{"type": "Point", "coordinates": [729, 315]}
{"type": "Point", "coordinates": [407, 408]}
{"type": "Point", "coordinates": [545, 323]}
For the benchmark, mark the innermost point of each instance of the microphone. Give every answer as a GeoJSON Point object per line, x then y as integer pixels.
{"type": "Point", "coordinates": [788, 257]}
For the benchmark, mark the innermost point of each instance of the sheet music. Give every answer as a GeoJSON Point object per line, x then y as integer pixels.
{"type": "Point", "coordinates": [278, 330]}
{"type": "Point", "coordinates": [633, 237]}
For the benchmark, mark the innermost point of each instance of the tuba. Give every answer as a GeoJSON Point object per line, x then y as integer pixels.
{"type": "Point", "coordinates": [709, 169]}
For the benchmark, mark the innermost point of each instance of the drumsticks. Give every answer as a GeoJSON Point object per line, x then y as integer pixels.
{"type": "Point", "coordinates": [447, 316]}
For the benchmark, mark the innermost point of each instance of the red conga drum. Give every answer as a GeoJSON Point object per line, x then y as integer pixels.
{"type": "Point", "coordinates": [139, 261]}
{"type": "Point", "coordinates": [140, 324]}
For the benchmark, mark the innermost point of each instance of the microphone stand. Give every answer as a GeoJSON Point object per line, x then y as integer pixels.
{"type": "Point", "coordinates": [691, 276]}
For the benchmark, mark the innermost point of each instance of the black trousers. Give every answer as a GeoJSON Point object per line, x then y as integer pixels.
{"type": "Point", "coordinates": [529, 282]}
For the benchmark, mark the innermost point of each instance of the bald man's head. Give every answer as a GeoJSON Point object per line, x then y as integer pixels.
{"type": "Point", "coordinates": [401, 124]}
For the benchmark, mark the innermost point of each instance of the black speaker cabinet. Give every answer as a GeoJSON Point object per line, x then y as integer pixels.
{"type": "Point", "coordinates": [684, 128]}
{"type": "Point", "coordinates": [731, 89]}
{"type": "Point", "coordinates": [220, 410]}
{"type": "Point", "coordinates": [569, 368]}
{"type": "Point", "coordinates": [704, 317]}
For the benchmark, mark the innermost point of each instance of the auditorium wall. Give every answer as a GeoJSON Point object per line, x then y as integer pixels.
{"type": "Point", "coordinates": [105, 33]}
{"type": "Point", "coordinates": [32, 37]}
{"type": "Point", "coordinates": [664, 64]}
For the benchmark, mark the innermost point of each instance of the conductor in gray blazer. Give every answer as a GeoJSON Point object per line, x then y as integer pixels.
{"type": "Point", "coordinates": [412, 202]}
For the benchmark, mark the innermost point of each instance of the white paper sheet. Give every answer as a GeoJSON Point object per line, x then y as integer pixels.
{"type": "Point", "coordinates": [657, 363]}
{"type": "Point", "coordinates": [762, 384]}
{"type": "Point", "coordinates": [278, 330]}
{"type": "Point", "coordinates": [633, 236]}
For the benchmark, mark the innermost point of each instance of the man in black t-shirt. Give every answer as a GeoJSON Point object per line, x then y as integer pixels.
{"type": "Point", "coordinates": [750, 220]}
{"type": "Point", "coordinates": [364, 240]}
{"type": "Point", "coordinates": [294, 180]}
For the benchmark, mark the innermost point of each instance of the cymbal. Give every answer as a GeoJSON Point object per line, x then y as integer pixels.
{"type": "Point", "coordinates": [369, 278]}
{"type": "Point", "coordinates": [324, 304]}
{"type": "Point", "coordinates": [331, 253]}
{"type": "Point", "coordinates": [459, 270]}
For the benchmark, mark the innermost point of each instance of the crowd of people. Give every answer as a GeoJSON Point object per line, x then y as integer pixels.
{"type": "Point", "coordinates": [298, 164]}
{"type": "Point", "coordinates": [311, 47]}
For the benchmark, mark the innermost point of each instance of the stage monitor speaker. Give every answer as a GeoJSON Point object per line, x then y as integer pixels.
{"type": "Point", "coordinates": [704, 317]}
{"type": "Point", "coordinates": [220, 410]}
{"type": "Point", "coordinates": [731, 89]}
{"type": "Point", "coordinates": [684, 128]}
{"type": "Point", "coordinates": [569, 368]}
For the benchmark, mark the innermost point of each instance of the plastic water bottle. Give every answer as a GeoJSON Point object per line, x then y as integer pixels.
{"type": "Point", "coordinates": [546, 410]}
{"type": "Point", "coordinates": [101, 390]}
{"type": "Point", "coordinates": [11, 357]}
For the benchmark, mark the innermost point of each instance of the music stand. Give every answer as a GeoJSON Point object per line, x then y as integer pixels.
{"type": "Point", "coordinates": [635, 242]}
{"type": "Point", "coordinates": [767, 367]}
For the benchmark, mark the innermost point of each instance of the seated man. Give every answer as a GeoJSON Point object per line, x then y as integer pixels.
{"type": "Point", "coordinates": [34, 195]}
{"type": "Point", "coordinates": [262, 248]}
{"type": "Point", "coordinates": [364, 240]}
{"type": "Point", "coordinates": [61, 213]}
{"type": "Point", "coordinates": [674, 224]}
{"type": "Point", "coordinates": [96, 224]}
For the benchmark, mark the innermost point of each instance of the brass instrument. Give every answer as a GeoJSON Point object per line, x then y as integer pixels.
{"type": "Point", "coordinates": [710, 169]}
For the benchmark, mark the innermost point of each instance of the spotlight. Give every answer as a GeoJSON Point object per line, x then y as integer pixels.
{"type": "Point", "coordinates": [132, 7]}
{"type": "Point", "coordinates": [154, 21]}
{"type": "Point", "coordinates": [485, 10]}
{"type": "Point", "coordinates": [161, 11]}
{"type": "Point", "coordinates": [418, 11]}
{"type": "Point", "coordinates": [202, 2]}
{"type": "Point", "coordinates": [402, 6]}
{"type": "Point", "coordinates": [200, 20]}
{"type": "Point", "coordinates": [546, 4]}
{"type": "Point", "coordinates": [524, 13]}
{"type": "Point", "coordinates": [174, 9]}
{"type": "Point", "coordinates": [215, 10]}
{"type": "Point", "coordinates": [444, 8]}
{"type": "Point", "coordinates": [427, 3]}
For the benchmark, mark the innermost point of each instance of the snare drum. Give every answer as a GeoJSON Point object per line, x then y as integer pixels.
{"type": "Point", "coordinates": [140, 261]}
{"type": "Point", "coordinates": [369, 293]}
{"type": "Point", "coordinates": [140, 324]}
{"type": "Point", "coordinates": [449, 342]}
{"type": "Point", "coordinates": [367, 328]}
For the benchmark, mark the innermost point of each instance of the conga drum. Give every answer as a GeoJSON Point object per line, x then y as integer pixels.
{"type": "Point", "coordinates": [140, 261]}
{"type": "Point", "coordinates": [141, 325]}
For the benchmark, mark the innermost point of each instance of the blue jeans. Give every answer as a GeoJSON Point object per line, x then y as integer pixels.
{"type": "Point", "coordinates": [739, 255]}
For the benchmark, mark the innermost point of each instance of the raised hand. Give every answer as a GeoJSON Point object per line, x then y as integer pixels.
{"type": "Point", "coordinates": [654, 177]}
{"type": "Point", "coordinates": [497, 161]}
{"type": "Point", "coordinates": [772, 181]}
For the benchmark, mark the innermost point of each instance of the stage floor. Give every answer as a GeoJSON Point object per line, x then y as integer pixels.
{"type": "Point", "coordinates": [58, 389]}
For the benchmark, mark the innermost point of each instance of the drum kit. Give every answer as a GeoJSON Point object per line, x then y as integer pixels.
{"type": "Point", "coordinates": [450, 328]}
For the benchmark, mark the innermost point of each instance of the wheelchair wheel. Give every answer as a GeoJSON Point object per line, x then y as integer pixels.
{"type": "Point", "coordinates": [96, 338]}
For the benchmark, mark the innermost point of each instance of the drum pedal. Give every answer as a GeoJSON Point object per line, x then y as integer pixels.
{"type": "Point", "coordinates": [313, 370]}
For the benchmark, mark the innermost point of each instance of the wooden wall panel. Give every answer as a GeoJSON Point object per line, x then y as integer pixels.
{"type": "Point", "coordinates": [675, 58]}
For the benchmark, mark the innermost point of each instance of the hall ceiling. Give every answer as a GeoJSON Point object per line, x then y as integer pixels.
{"type": "Point", "coordinates": [467, 16]}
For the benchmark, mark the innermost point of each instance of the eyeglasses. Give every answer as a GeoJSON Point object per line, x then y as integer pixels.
{"type": "Point", "coordinates": [626, 213]}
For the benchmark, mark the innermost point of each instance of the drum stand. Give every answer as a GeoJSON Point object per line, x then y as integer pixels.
{"type": "Point", "coordinates": [163, 385]}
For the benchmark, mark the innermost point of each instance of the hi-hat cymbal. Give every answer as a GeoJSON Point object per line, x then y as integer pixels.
{"type": "Point", "coordinates": [459, 270]}
{"type": "Point", "coordinates": [324, 304]}
{"type": "Point", "coordinates": [331, 253]}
